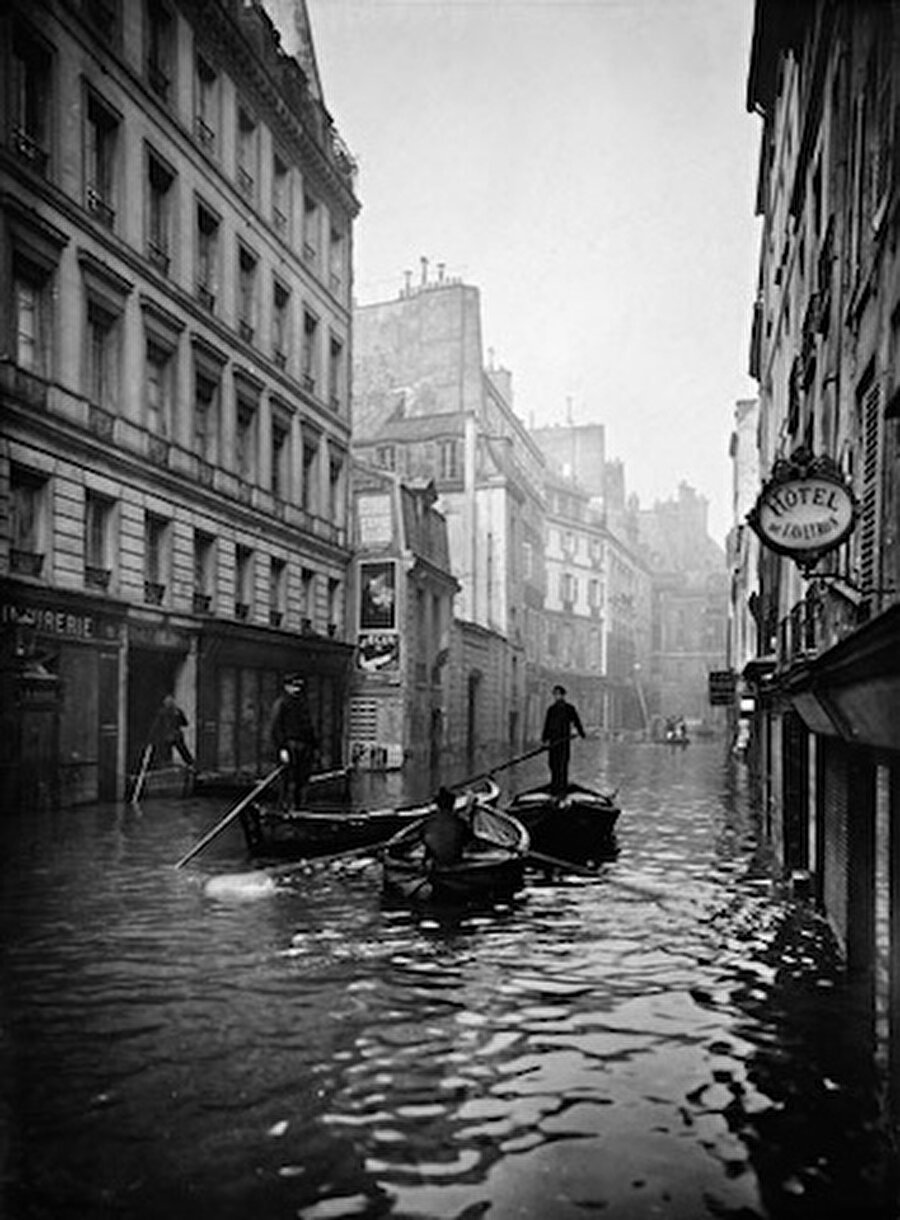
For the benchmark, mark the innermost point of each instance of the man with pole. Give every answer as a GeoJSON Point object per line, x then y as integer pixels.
{"type": "Point", "coordinates": [559, 723]}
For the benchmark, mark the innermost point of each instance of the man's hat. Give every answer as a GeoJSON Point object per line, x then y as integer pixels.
{"type": "Point", "coordinates": [293, 680]}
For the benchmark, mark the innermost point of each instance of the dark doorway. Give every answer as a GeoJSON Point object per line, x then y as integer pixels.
{"type": "Point", "coordinates": [151, 675]}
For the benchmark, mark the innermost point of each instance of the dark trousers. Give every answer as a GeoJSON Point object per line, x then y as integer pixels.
{"type": "Point", "coordinates": [295, 777]}
{"type": "Point", "coordinates": [181, 748]}
{"type": "Point", "coordinates": [558, 759]}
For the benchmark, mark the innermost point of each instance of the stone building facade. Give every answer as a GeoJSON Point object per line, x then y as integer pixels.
{"type": "Point", "coordinates": [824, 80]}
{"type": "Point", "coordinates": [176, 216]}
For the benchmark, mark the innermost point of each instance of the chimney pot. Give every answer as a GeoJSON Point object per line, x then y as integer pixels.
{"type": "Point", "coordinates": [424, 261]}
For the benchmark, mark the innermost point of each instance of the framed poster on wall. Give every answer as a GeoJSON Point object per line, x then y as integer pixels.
{"type": "Point", "coordinates": [378, 596]}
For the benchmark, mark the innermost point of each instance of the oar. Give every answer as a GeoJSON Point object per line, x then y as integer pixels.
{"type": "Point", "coordinates": [569, 865]}
{"type": "Point", "coordinates": [142, 773]}
{"type": "Point", "coordinates": [231, 815]}
{"type": "Point", "coordinates": [473, 779]}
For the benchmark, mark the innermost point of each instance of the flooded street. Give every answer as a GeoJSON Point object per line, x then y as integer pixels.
{"type": "Point", "coordinates": [675, 1038]}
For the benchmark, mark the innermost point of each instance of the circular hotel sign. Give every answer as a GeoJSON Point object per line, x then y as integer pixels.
{"type": "Point", "coordinates": [805, 510]}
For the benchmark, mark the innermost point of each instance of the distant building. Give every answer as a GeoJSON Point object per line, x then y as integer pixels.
{"type": "Point", "coordinates": [403, 620]}
{"type": "Point", "coordinates": [428, 406]}
{"type": "Point", "coordinates": [742, 547]}
{"type": "Point", "coordinates": [176, 216]}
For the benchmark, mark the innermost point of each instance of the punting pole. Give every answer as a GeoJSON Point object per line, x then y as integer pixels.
{"type": "Point", "coordinates": [231, 815]}
{"type": "Point", "coordinates": [142, 773]}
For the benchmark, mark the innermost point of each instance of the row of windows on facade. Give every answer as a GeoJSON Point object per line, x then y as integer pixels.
{"type": "Point", "coordinates": [30, 527]}
{"type": "Point", "coordinates": [103, 357]}
{"type": "Point", "coordinates": [32, 76]}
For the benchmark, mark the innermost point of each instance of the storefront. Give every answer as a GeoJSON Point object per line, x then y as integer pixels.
{"type": "Point", "coordinates": [239, 676]}
{"type": "Point", "coordinates": [61, 667]}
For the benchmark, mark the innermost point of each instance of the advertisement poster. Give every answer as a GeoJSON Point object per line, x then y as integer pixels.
{"type": "Point", "coordinates": [377, 609]}
{"type": "Point", "coordinates": [378, 651]}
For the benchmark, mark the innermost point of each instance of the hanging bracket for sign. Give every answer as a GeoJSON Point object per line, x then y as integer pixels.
{"type": "Point", "coordinates": [806, 508]}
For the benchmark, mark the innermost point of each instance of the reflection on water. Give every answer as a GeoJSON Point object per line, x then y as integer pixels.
{"type": "Point", "coordinates": [673, 1039]}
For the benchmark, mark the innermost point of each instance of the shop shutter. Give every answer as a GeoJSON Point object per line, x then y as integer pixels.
{"type": "Point", "coordinates": [833, 795]}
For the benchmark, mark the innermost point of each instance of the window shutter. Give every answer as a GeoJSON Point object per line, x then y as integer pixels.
{"type": "Point", "coordinates": [869, 533]}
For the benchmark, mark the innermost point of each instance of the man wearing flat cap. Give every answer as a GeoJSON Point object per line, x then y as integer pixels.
{"type": "Point", "coordinates": [294, 740]}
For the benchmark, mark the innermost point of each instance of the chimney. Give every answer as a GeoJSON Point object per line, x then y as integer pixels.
{"type": "Point", "coordinates": [424, 261]}
{"type": "Point", "coordinates": [440, 268]}
{"type": "Point", "coordinates": [407, 289]}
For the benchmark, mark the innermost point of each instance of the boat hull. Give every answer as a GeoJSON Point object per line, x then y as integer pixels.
{"type": "Point", "coordinates": [298, 834]}
{"type": "Point", "coordinates": [578, 826]}
{"type": "Point", "coordinates": [492, 868]}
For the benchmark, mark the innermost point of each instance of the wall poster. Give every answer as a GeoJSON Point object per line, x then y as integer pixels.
{"type": "Point", "coordinates": [378, 596]}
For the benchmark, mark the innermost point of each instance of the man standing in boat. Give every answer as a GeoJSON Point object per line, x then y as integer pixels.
{"type": "Point", "coordinates": [294, 739]}
{"type": "Point", "coordinates": [559, 723]}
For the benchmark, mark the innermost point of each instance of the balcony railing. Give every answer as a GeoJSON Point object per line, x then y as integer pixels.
{"type": "Point", "coordinates": [97, 577]}
{"type": "Point", "coordinates": [206, 297]}
{"type": "Point", "coordinates": [154, 592]}
{"type": "Point", "coordinates": [242, 610]}
{"type": "Point", "coordinates": [279, 220]}
{"type": "Point", "coordinates": [158, 256]}
{"type": "Point", "coordinates": [158, 450]}
{"type": "Point", "coordinates": [98, 206]}
{"type": "Point", "coordinates": [276, 618]}
{"type": "Point", "coordinates": [309, 383]}
{"type": "Point", "coordinates": [280, 358]}
{"type": "Point", "coordinates": [205, 135]}
{"type": "Point", "coordinates": [28, 150]}
{"type": "Point", "coordinates": [101, 422]}
{"type": "Point", "coordinates": [201, 602]}
{"type": "Point", "coordinates": [246, 331]}
{"type": "Point", "coordinates": [24, 384]}
{"type": "Point", "coordinates": [246, 184]}
{"type": "Point", "coordinates": [26, 563]}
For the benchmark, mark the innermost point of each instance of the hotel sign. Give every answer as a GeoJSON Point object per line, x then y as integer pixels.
{"type": "Point", "coordinates": [805, 509]}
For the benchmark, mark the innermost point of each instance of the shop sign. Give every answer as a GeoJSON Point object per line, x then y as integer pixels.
{"type": "Point", "coordinates": [805, 509]}
{"type": "Point", "coordinates": [378, 596]}
{"type": "Point", "coordinates": [68, 624]}
{"type": "Point", "coordinates": [378, 652]}
{"type": "Point", "coordinates": [722, 687]}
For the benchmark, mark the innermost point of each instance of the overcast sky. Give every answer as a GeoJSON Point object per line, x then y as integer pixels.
{"type": "Point", "coordinates": [589, 165]}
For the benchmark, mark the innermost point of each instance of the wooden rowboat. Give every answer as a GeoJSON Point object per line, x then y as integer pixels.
{"type": "Point", "coordinates": [491, 869]}
{"type": "Point", "coordinates": [578, 825]}
{"type": "Point", "coordinates": [296, 834]}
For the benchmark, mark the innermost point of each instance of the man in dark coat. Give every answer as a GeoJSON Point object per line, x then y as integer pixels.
{"type": "Point", "coordinates": [294, 740]}
{"type": "Point", "coordinates": [559, 723]}
{"type": "Point", "coordinates": [167, 732]}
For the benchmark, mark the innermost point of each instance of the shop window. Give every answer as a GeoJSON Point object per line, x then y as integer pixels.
{"type": "Point", "coordinates": [29, 525]}
{"type": "Point", "coordinates": [449, 465]}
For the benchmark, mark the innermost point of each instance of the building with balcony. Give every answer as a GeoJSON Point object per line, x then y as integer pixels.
{"type": "Point", "coordinates": [742, 550]}
{"type": "Point", "coordinates": [823, 79]}
{"type": "Point", "coordinates": [429, 406]}
{"type": "Point", "coordinates": [176, 214]}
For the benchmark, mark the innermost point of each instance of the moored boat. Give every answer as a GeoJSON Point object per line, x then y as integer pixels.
{"type": "Point", "coordinates": [490, 869]}
{"type": "Point", "coordinates": [577, 825]}
{"type": "Point", "coordinates": [322, 830]}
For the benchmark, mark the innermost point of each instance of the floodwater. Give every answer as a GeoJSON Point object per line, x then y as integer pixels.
{"type": "Point", "coordinates": [675, 1038]}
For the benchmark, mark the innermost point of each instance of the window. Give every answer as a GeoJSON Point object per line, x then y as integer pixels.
{"type": "Point", "coordinates": [281, 304]}
{"type": "Point", "coordinates": [448, 458]}
{"type": "Point", "coordinates": [102, 363]}
{"type": "Point", "coordinates": [159, 211]}
{"type": "Point", "coordinates": [385, 457]}
{"type": "Point", "coordinates": [101, 138]}
{"type": "Point", "coordinates": [104, 17]}
{"type": "Point", "coordinates": [31, 85]}
{"type": "Point", "coordinates": [30, 309]}
{"type": "Point", "coordinates": [280, 450]}
{"type": "Point", "coordinates": [281, 196]}
{"type": "Point", "coordinates": [308, 495]}
{"type": "Point", "coordinates": [335, 372]}
{"type": "Point", "coordinates": [310, 228]}
{"type": "Point", "coordinates": [277, 587]}
{"type": "Point", "coordinates": [246, 294]}
{"type": "Point", "coordinates": [310, 354]}
{"type": "Point", "coordinates": [155, 558]}
{"type": "Point", "coordinates": [336, 261]}
{"type": "Point", "coordinates": [245, 441]}
{"type": "Point", "coordinates": [243, 581]}
{"type": "Point", "coordinates": [336, 489]}
{"type": "Point", "coordinates": [158, 389]}
{"type": "Point", "coordinates": [27, 520]}
{"type": "Point", "coordinates": [206, 103]}
{"type": "Point", "coordinates": [98, 517]}
{"type": "Point", "coordinates": [204, 571]}
{"type": "Point", "coordinates": [206, 403]}
{"type": "Point", "coordinates": [308, 590]}
{"type": "Point", "coordinates": [207, 256]}
{"type": "Point", "coordinates": [160, 44]}
{"type": "Point", "coordinates": [246, 155]}
{"type": "Point", "coordinates": [334, 605]}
